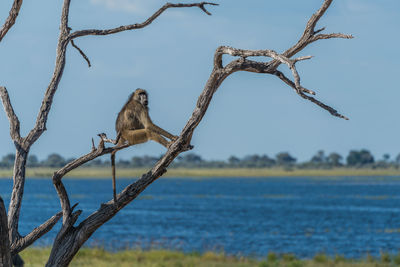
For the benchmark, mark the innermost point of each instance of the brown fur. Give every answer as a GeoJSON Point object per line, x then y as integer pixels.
{"type": "Point", "coordinates": [133, 125]}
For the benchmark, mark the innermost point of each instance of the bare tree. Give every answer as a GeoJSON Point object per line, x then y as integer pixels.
{"type": "Point", "coordinates": [23, 144]}
{"type": "Point", "coordinates": [5, 235]}
{"type": "Point", "coordinates": [71, 237]}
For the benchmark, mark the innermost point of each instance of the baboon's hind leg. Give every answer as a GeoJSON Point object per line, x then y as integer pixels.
{"type": "Point", "coordinates": [135, 137]}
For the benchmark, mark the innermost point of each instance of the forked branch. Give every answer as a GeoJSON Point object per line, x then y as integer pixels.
{"type": "Point", "coordinates": [309, 36]}
{"type": "Point", "coordinates": [310, 33]}
{"type": "Point", "coordinates": [243, 64]}
{"type": "Point", "coordinates": [38, 232]}
{"type": "Point", "coordinates": [58, 175]}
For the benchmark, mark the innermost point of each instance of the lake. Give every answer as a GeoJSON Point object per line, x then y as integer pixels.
{"type": "Point", "coordinates": [350, 216]}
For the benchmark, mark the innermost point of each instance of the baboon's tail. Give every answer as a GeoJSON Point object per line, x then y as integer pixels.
{"type": "Point", "coordinates": [113, 175]}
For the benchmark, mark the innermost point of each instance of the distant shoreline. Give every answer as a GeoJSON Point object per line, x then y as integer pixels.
{"type": "Point", "coordinates": [90, 172]}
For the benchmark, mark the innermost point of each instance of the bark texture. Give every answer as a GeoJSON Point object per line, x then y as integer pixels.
{"type": "Point", "coordinates": [5, 254]}
{"type": "Point", "coordinates": [12, 16]}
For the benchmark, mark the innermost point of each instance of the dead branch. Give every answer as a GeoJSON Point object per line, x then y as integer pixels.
{"type": "Point", "coordinates": [309, 34]}
{"type": "Point", "coordinates": [266, 53]}
{"type": "Point", "coordinates": [140, 25]}
{"type": "Point", "coordinates": [38, 232]}
{"type": "Point", "coordinates": [331, 110]}
{"type": "Point", "coordinates": [81, 52]}
{"type": "Point", "coordinates": [12, 117]}
{"type": "Point", "coordinates": [243, 64]}
{"type": "Point", "coordinates": [12, 16]}
{"type": "Point", "coordinates": [58, 175]}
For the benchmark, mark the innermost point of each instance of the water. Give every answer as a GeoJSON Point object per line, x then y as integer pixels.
{"type": "Point", "coordinates": [350, 216]}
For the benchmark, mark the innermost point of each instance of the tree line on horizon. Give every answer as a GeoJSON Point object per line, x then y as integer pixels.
{"type": "Point", "coordinates": [355, 158]}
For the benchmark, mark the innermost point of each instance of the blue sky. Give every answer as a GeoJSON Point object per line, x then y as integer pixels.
{"type": "Point", "coordinates": [172, 59]}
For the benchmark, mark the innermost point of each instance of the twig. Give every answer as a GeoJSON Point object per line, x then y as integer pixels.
{"type": "Point", "coordinates": [81, 52]}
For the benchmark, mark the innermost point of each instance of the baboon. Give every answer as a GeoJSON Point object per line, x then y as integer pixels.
{"type": "Point", "coordinates": [134, 126]}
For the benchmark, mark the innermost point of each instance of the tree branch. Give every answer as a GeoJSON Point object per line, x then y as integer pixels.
{"type": "Point", "coordinates": [140, 25]}
{"type": "Point", "coordinates": [65, 16]}
{"type": "Point", "coordinates": [58, 175]}
{"type": "Point", "coordinates": [12, 117]}
{"type": "Point", "coordinates": [261, 67]}
{"type": "Point", "coordinates": [81, 52]}
{"type": "Point", "coordinates": [310, 32]}
{"type": "Point", "coordinates": [330, 36]}
{"type": "Point", "coordinates": [12, 16]}
{"type": "Point", "coordinates": [37, 233]}
{"type": "Point", "coordinates": [316, 17]}
{"type": "Point", "coordinates": [266, 53]}
{"type": "Point", "coordinates": [331, 110]}
{"type": "Point", "coordinates": [17, 193]}
{"type": "Point", "coordinates": [41, 120]}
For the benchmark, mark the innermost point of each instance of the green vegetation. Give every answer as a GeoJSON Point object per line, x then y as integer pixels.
{"type": "Point", "coordinates": [208, 172]}
{"type": "Point", "coordinates": [99, 257]}
{"type": "Point", "coordinates": [355, 159]}
{"type": "Point", "coordinates": [358, 163]}
{"type": "Point", "coordinates": [105, 172]}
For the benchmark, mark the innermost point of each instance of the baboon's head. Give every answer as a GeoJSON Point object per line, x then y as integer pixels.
{"type": "Point", "coordinates": [140, 95]}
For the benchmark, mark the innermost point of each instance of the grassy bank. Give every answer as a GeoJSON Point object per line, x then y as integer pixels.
{"type": "Point", "coordinates": [203, 172]}
{"type": "Point", "coordinates": [100, 258]}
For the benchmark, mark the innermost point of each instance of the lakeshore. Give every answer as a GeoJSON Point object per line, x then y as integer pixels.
{"type": "Point", "coordinates": [209, 172]}
{"type": "Point", "coordinates": [98, 257]}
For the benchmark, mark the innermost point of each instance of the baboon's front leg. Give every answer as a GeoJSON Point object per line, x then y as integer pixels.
{"type": "Point", "coordinates": [103, 136]}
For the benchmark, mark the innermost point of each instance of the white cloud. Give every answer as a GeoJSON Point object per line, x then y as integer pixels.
{"type": "Point", "coordinates": [129, 6]}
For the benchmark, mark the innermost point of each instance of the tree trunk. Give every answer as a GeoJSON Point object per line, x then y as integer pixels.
{"type": "Point", "coordinates": [5, 255]}
{"type": "Point", "coordinates": [17, 193]}
{"type": "Point", "coordinates": [17, 261]}
{"type": "Point", "coordinates": [64, 248]}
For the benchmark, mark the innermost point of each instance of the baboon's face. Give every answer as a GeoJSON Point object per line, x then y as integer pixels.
{"type": "Point", "coordinates": [143, 99]}
{"type": "Point", "coordinates": [141, 96]}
